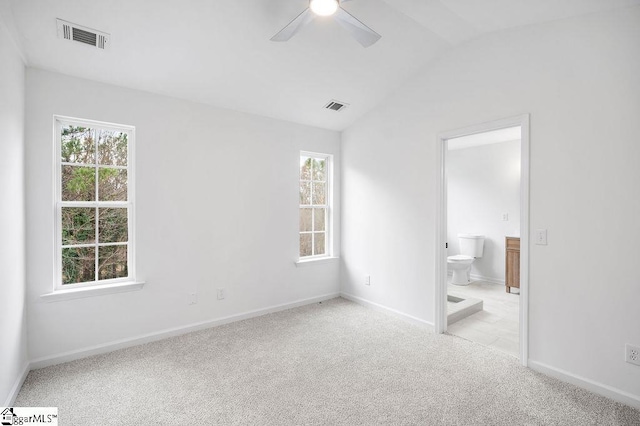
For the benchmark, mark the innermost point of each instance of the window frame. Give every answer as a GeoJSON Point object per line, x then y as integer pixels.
{"type": "Point", "coordinates": [328, 226]}
{"type": "Point", "coordinates": [60, 121]}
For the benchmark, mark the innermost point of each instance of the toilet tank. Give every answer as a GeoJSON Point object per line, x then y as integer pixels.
{"type": "Point", "coordinates": [471, 244]}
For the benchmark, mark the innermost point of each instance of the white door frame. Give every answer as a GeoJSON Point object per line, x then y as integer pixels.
{"type": "Point", "coordinates": [440, 323]}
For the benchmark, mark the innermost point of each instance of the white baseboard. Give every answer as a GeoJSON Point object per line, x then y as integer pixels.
{"type": "Point", "coordinates": [171, 332]}
{"type": "Point", "coordinates": [590, 385]}
{"type": "Point", "coordinates": [394, 312]}
{"type": "Point", "coordinates": [11, 398]}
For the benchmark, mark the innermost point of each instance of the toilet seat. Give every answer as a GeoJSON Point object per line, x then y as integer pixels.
{"type": "Point", "coordinates": [459, 258]}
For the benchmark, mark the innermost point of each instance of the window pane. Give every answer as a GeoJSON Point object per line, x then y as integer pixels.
{"type": "Point", "coordinates": [305, 168]}
{"type": "Point", "coordinates": [319, 193]}
{"type": "Point", "coordinates": [318, 243]}
{"type": "Point", "coordinates": [318, 219]}
{"type": "Point", "coordinates": [319, 170]}
{"type": "Point", "coordinates": [305, 193]}
{"type": "Point", "coordinates": [78, 183]}
{"type": "Point", "coordinates": [77, 145]}
{"type": "Point", "coordinates": [305, 220]}
{"type": "Point", "coordinates": [78, 225]}
{"type": "Point", "coordinates": [78, 264]}
{"type": "Point", "coordinates": [112, 184]}
{"type": "Point", "coordinates": [305, 245]}
{"type": "Point", "coordinates": [113, 225]}
{"type": "Point", "coordinates": [112, 262]}
{"type": "Point", "coordinates": [112, 147]}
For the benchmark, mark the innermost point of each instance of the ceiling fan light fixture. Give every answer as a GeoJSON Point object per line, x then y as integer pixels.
{"type": "Point", "coordinates": [324, 7]}
{"type": "Point", "coordinates": [329, 8]}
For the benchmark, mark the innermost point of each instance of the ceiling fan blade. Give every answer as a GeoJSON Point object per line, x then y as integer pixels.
{"type": "Point", "coordinates": [363, 34]}
{"type": "Point", "coordinates": [294, 26]}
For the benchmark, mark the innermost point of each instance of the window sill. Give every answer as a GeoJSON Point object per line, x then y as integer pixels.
{"type": "Point", "coordinates": [316, 261]}
{"type": "Point", "coordinates": [79, 293]}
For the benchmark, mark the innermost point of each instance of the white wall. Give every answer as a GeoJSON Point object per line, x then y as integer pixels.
{"type": "Point", "coordinates": [217, 206]}
{"type": "Point", "coordinates": [13, 328]}
{"type": "Point", "coordinates": [579, 81]}
{"type": "Point", "coordinates": [483, 182]}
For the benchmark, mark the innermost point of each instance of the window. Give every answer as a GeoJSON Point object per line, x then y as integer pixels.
{"type": "Point", "coordinates": [315, 205]}
{"type": "Point", "coordinates": [94, 203]}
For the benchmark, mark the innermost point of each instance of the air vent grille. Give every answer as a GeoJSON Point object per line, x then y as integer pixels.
{"type": "Point", "coordinates": [85, 37]}
{"type": "Point", "coordinates": [74, 32]}
{"type": "Point", "coordinates": [336, 105]}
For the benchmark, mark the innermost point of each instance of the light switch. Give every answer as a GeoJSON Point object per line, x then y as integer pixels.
{"type": "Point", "coordinates": [541, 237]}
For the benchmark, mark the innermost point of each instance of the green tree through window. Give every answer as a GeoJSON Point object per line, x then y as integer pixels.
{"type": "Point", "coordinates": [314, 205]}
{"type": "Point", "coordinates": [94, 203]}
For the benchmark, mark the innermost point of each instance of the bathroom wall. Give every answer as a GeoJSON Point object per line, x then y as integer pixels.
{"type": "Point", "coordinates": [483, 184]}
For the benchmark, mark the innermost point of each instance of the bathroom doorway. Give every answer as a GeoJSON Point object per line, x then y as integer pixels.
{"type": "Point", "coordinates": [483, 228]}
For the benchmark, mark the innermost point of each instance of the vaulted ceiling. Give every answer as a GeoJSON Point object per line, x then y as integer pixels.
{"type": "Point", "coordinates": [218, 52]}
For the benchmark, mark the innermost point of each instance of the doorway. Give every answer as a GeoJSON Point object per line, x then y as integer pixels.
{"type": "Point", "coordinates": [477, 229]}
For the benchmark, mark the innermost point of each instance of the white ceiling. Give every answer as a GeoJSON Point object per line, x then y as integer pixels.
{"type": "Point", "coordinates": [485, 138]}
{"type": "Point", "coordinates": [218, 52]}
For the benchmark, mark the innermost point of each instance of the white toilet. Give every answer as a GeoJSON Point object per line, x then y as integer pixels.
{"type": "Point", "coordinates": [471, 247]}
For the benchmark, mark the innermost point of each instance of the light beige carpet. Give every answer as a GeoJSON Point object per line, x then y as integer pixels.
{"type": "Point", "coordinates": [323, 364]}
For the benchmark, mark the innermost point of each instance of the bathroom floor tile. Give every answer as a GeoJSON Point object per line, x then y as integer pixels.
{"type": "Point", "coordinates": [497, 325]}
{"type": "Point", "coordinates": [487, 316]}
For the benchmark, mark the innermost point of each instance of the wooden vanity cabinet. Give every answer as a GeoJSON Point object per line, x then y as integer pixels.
{"type": "Point", "coordinates": [512, 263]}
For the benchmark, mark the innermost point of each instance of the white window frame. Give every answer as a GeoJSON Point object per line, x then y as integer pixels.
{"type": "Point", "coordinates": [328, 237]}
{"type": "Point", "coordinates": [59, 122]}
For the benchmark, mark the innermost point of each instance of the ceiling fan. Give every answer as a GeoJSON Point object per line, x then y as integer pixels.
{"type": "Point", "coordinates": [363, 34]}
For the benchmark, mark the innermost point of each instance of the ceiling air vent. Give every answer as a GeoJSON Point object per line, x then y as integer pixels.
{"type": "Point", "coordinates": [336, 105]}
{"type": "Point", "coordinates": [74, 32]}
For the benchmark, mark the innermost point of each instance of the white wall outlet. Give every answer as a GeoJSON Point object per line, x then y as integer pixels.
{"type": "Point", "coordinates": [505, 216]}
{"type": "Point", "coordinates": [632, 354]}
{"type": "Point", "coordinates": [541, 237]}
{"type": "Point", "coordinates": [222, 293]}
{"type": "Point", "coordinates": [367, 280]}
{"type": "Point", "coordinates": [192, 299]}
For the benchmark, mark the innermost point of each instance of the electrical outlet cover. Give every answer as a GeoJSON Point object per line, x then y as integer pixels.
{"type": "Point", "coordinates": [632, 354]}
{"type": "Point", "coordinates": [221, 294]}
